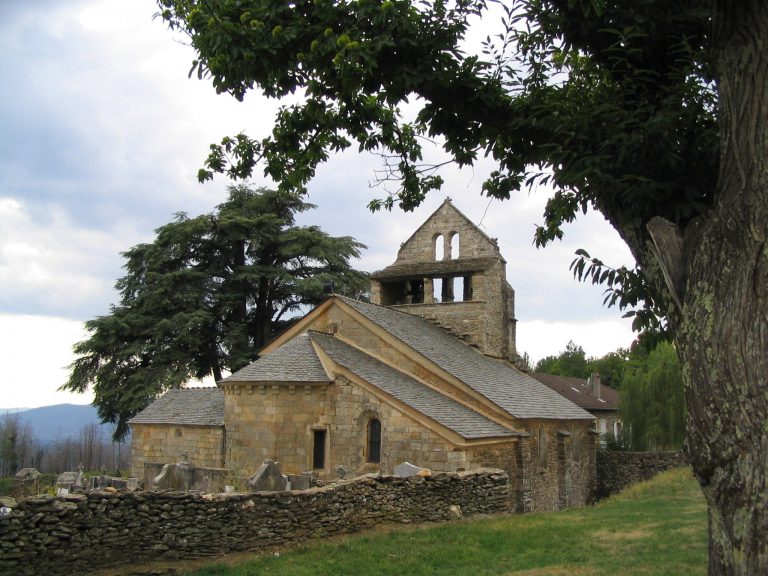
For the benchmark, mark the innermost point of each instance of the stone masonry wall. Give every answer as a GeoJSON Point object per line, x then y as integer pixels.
{"type": "Point", "coordinates": [277, 423]}
{"type": "Point", "coordinates": [464, 319]}
{"type": "Point", "coordinates": [77, 534]}
{"type": "Point", "coordinates": [402, 437]}
{"type": "Point", "coordinates": [201, 445]}
{"type": "Point", "coordinates": [486, 324]}
{"type": "Point", "coordinates": [272, 422]}
{"type": "Point", "coordinates": [446, 221]}
{"type": "Point", "coordinates": [617, 470]}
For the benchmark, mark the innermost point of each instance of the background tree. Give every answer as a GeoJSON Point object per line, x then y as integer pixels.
{"type": "Point", "coordinates": [653, 112]}
{"type": "Point", "coordinates": [570, 362]}
{"type": "Point", "coordinates": [652, 404]}
{"type": "Point", "coordinates": [573, 362]}
{"type": "Point", "coordinates": [10, 432]}
{"type": "Point", "coordinates": [205, 296]}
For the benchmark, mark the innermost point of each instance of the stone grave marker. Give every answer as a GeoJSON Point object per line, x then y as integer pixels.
{"type": "Point", "coordinates": [268, 477]}
{"type": "Point", "coordinates": [406, 469]}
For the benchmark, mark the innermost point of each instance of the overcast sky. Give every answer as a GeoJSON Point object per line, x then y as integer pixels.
{"type": "Point", "coordinates": [103, 134]}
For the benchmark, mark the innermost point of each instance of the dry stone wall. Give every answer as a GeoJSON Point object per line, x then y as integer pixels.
{"type": "Point", "coordinates": [76, 534]}
{"type": "Point", "coordinates": [617, 470]}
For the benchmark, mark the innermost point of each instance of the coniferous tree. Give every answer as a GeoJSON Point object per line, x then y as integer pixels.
{"type": "Point", "coordinates": [205, 296]}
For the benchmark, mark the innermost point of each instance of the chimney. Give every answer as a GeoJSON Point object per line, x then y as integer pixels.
{"type": "Point", "coordinates": [594, 385]}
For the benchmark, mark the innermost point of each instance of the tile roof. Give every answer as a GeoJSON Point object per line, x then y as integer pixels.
{"type": "Point", "coordinates": [451, 414]}
{"type": "Point", "coordinates": [515, 392]}
{"type": "Point", "coordinates": [294, 361]}
{"type": "Point", "coordinates": [578, 391]}
{"type": "Point", "coordinates": [185, 406]}
{"type": "Point", "coordinates": [406, 269]}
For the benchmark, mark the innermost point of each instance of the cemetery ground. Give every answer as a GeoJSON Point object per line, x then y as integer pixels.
{"type": "Point", "coordinates": [654, 528]}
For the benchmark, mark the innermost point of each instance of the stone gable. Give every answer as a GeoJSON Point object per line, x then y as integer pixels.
{"type": "Point", "coordinates": [450, 272]}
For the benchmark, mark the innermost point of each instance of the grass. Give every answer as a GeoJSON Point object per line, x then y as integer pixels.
{"type": "Point", "coordinates": [6, 486]}
{"type": "Point", "coordinates": [653, 528]}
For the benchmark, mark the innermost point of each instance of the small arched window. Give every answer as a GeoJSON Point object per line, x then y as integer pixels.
{"type": "Point", "coordinates": [374, 441]}
{"type": "Point", "coordinates": [439, 247]}
{"type": "Point", "coordinates": [454, 245]}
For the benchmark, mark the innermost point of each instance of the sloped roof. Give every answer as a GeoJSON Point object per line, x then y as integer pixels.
{"type": "Point", "coordinates": [451, 414]}
{"type": "Point", "coordinates": [294, 361]}
{"type": "Point", "coordinates": [515, 392]}
{"type": "Point", "coordinates": [405, 269]}
{"type": "Point", "coordinates": [185, 406]}
{"type": "Point", "coordinates": [578, 391]}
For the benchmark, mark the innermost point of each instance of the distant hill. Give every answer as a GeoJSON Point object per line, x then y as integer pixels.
{"type": "Point", "coordinates": [60, 421]}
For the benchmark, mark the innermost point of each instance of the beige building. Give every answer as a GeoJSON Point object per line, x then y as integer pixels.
{"type": "Point", "coordinates": [422, 374]}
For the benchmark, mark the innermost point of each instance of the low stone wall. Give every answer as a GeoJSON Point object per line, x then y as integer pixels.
{"type": "Point", "coordinates": [617, 470]}
{"type": "Point", "coordinates": [77, 533]}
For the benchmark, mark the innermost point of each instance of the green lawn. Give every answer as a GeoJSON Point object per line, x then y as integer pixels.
{"type": "Point", "coordinates": [654, 528]}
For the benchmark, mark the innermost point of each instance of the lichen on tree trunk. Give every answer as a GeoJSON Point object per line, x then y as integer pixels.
{"type": "Point", "coordinates": [722, 328]}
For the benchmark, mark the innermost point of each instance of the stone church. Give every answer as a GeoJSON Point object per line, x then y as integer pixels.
{"type": "Point", "coordinates": [424, 373]}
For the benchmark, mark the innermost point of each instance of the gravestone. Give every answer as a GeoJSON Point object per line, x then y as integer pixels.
{"type": "Point", "coordinates": [300, 481]}
{"type": "Point", "coordinates": [174, 477]}
{"type": "Point", "coordinates": [269, 477]}
{"type": "Point", "coordinates": [27, 482]}
{"type": "Point", "coordinates": [66, 482]}
{"type": "Point", "coordinates": [406, 469]}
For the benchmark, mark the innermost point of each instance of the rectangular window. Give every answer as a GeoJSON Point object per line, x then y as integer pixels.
{"type": "Point", "coordinates": [318, 449]}
{"type": "Point", "coordinates": [374, 440]}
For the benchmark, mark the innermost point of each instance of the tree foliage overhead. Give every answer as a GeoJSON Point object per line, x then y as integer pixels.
{"type": "Point", "coordinates": [614, 107]}
{"type": "Point", "coordinates": [205, 296]}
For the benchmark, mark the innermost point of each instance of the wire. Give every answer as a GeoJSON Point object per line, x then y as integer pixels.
{"type": "Point", "coordinates": [486, 212]}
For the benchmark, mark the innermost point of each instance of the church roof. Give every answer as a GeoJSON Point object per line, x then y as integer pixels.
{"type": "Point", "coordinates": [443, 410]}
{"type": "Point", "coordinates": [515, 392]}
{"type": "Point", "coordinates": [406, 269]}
{"type": "Point", "coordinates": [294, 361]}
{"type": "Point", "coordinates": [185, 407]}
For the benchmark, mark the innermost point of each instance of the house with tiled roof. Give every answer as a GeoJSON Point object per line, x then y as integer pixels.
{"type": "Point", "coordinates": [591, 394]}
{"type": "Point", "coordinates": [424, 373]}
{"type": "Point", "coordinates": [179, 425]}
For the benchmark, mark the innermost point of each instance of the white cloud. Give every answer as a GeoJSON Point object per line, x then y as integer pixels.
{"type": "Point", "coordinates": [54, 266]}
{"type": "Point", "coordinates": [540, 339]}
{"type": "Point", "coordinates": [34, 353]}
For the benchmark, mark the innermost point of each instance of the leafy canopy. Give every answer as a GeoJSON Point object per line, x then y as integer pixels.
{"type": "Point", "coordinates": [573, 362]}
{"type": "Point", "coordinates": [611, 103]}
{"type": "Point", "coordinates": [652, 404]}
{"type": "Point", "coordinates": [205, 296]}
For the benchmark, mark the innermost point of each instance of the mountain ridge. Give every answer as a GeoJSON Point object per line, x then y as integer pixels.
{"type": "Point", "coordinates": [58, 421]}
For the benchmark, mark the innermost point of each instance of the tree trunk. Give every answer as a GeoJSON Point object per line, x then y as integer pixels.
{"type": "Point", "coordinates": [722, 332]}
{"type": "Point", "coordinates": [240, 347]}
{"type": "Point", "coordinates": [263, 314]}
